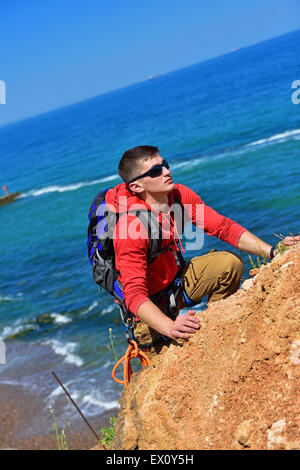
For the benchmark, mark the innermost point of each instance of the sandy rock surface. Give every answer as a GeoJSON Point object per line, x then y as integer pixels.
{"type": "Point", "coordinates": [235, 383]}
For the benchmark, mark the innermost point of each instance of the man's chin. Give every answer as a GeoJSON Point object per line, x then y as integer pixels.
{"type": "Point", "coordinates": [170, 186]}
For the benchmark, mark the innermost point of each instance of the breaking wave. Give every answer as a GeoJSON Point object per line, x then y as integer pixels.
{"type": "Point", "coordinates": [70, 187]}
{"type": "Point", "coordinates": [66, 350]}
{"type": "Point", "coordinates": [282, 137]}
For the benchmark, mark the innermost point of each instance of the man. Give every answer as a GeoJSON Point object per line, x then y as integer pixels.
{"type": "Point", "coordinates": [148, 185]}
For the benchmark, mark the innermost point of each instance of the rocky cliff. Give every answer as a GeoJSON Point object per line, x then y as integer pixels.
{"type": "Point", "coordinates": [235, 383]}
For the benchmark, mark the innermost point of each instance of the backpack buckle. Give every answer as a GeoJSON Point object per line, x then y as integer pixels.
{"type": "Point", "coordinates": [172, 301]}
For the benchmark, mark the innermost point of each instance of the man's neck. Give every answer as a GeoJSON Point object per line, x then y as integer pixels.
{"type": "Point", "coordinates": [156, 199]}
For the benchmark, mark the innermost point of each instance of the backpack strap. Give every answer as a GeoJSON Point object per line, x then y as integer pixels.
{"type": "Point", "coordinates": [153, 228]}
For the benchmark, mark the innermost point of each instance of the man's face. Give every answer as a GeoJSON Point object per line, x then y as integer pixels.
{"type": "Point", "coordinates": [161, 184]}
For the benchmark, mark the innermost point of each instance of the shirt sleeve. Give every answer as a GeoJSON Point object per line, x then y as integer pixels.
{"type": "Point", "coordinates": [209, 220]}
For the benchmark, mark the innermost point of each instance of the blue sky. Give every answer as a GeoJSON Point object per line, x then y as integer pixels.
{"type": "Point", "coordinates": [59, 52]}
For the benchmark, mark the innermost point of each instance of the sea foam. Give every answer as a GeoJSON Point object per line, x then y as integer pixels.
{"type": "Point", "coordinates": [70, 187]}
{"type": "Point", "coordinates": [295, 133]}
{"type": "Point", "coordinates": [275, 138]}
{"type": "Point", "coordinates": [66, 350]}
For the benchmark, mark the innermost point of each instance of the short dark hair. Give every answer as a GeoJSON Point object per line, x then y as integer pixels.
{"type": "Point", "coordinates": [128, 163]}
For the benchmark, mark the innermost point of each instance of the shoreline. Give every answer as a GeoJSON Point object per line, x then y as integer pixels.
{"type": "Point", "coordinates": [19, 423]}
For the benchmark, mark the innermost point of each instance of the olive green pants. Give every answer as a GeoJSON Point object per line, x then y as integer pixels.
{"type": "Point", "coordinates": [216, 275]}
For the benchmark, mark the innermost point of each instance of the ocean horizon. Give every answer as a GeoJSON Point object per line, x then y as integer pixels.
{"type": "Point", "coordinates": [63, 107]}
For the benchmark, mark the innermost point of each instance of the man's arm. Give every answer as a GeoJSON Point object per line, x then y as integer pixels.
{"type": "Point", "coordinates": [182, 327]}
{"type": "Point", "coordinates": [254, 245]}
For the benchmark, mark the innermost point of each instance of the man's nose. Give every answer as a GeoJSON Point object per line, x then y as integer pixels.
{"type": "Point", "coordinates": [167, 171]}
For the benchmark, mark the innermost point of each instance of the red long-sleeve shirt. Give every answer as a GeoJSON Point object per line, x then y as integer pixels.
{"type": "Point", "coordinates": [140, 280]}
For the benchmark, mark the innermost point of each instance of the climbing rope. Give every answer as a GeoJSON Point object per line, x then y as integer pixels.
{"type": "Point", "coordinates": [132, 351]}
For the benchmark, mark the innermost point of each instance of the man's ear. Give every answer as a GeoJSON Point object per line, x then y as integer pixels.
{"type": "Point", "coordinates": [136, 187]}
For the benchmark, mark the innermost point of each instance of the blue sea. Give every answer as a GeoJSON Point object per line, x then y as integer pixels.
{"type": "Point", "coordinates": [230, 131]}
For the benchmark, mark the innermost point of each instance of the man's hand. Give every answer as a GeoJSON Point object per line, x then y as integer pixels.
{"type": "Point", "coordinates": [185, 325]}
{"type": "Point", "coordinates": [181, 327]}
{"type": "Point", "coordinates": [288, 241]}
{"type": "Point", "coordinates": [254, 245]}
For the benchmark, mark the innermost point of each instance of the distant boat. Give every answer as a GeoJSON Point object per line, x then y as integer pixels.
{"type": "Point", "coordinates": [152, 77]}
{"type": "Point", "coordinates": [8, 198]}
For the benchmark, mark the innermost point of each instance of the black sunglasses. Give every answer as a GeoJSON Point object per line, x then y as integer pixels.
{"type": "Point", "coordinates": [155, 171]}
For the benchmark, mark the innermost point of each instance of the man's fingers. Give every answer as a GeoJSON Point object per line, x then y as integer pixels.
{"type": "Point", "coordinates": [185, 328]}
{"type": "Point", "coordinates": [185, 320]}
{"type": "Point", "coordinates": [178, 334]}
{"type": "Point", "coordinates": [192, 320]}
{"type": "Point", "coordinates": [193, 324]}
{"type": "Point", "coordinates": [191, 312]}
{"type": "Point", "coordinates": [183, 332]}
{"type": "Point", "coordinates": [185, 325]}
{"type": "Point", "coordinates": [291, 240]}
